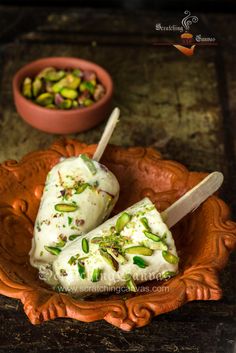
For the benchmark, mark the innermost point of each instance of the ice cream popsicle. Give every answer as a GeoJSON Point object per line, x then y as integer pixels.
{"type": "Point", "coordinates": [79, 195]}
{"type": "Point", "coordinates": [133, 247]}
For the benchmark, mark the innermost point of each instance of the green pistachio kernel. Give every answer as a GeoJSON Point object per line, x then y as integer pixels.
{"type": "Point", "coordinates": [122, 221]}
{"type": "Point", "coordinates": [77, 72]}
{"type": "Point", "coordinates": [144, 222]}
{"type": "Point", "coordinates": [70, 81]}
{"type": "Point", "coordinates": [72, 260]}
{"type": "Point", "coordinates": [168, 274]}
{"type": "Point", "coordinates": [45, 72]}
{"type": "Point", "coordinates": [66, 104]}
{"type": "Point", "coordinates": [81, 187]}
{"type": "Point", "coordinates": [85, 245]}
{"type": "Point", "coordinates": [37, 86]}
{"type": "Point", "coordinates": [61, 243]}
{"type": "Point", "coordinates": [74, 236]}
{"type": "Point", "coordinates": [50, 106]}
{"type": "Point", "coordinates": [130, 283]}
{"type": "Point", "coordinates": [158, 245]}
{"type": "Point", "coordinates": [81, 270]}
{"type": "Point", "coordinates": [69, 93]}
{"type": "Point", "coordinates": [87, 86]}
{"type": "Point", "coordinates": [96, 240]}
{"type": "Point", "coordinates": [87, 102]}
{"type": "Point", "coordinates": [151, 236]}
{"type": "Point", "coordinates": [139, 261]}
{"type": "Point", "coordinates": [109, 260]}
{"type": "Point", "coordinates": [54, 75]}
{"type": "Point", "coordinates": [118, 257]}
{"type": "Point", "coordinates": [53, 250]}
{"type": "Point", "coordinates": [27, 87]}
{"type": "Point", "coordinates": [96, 275]}
{"type": "Point", "coordinates": [89, 163]}
{"type": "Point", "coordinates": [140, 250]}
{"type": "Point", "coordinates": [169, 257]}
{"type": "Point", "coordinates": [65, 207]}
{"type": "Point", "coordinates": [70, 219]}
{"type": "Point", "coordinates": [44, 99]}
{"type": "Point", "coordinates": [75, 104]}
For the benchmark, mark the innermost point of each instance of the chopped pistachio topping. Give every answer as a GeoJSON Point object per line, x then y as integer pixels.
{"type": "Point", "coordinates": [130, 283]}
{"type": "Point", "coordinates": [168, 274]}
{"type": "Point", "coordinates": [70, 219]}
{"type": "Point", "coordinates": [151, 236]}
{"type": "Point", "coordinates": [144, 222]}
{"type": "Point", "coordinates": [61, 243]}
{"type": "Point", "coordinates": [81, 187]}
{"type": "Point", "coordinates": [53, 250]}
{"type": "Point", "coordinates": [109, 259]}
{"type": "Point", "coordinates": [73, 259]}
{"type": "Point", "coordinates": [65, 207]}
{"type": "Point", "coordinates": [96, 240]}
{"type": "Point", "coordinates": [157, 245]}
{"type": "Point", "coordinates": [140, 250]}
{"type": "Point", "coordinates": [122, 221]}
{"type": "Point", "coordinates": [169, 257]}
{"type": "Point", "coordinates": [89, 163]}
{"type": "Point", "coordinates": [96, 275]}
{"type": "Point", "coordinates": [81, 270]}
{"type": "Point", "coordinates": [119, 257]}
{"type": "Point", "coordinates": [73, 236]}
{"type": "Point", "coordinates": [139, 261]}
{"type": "Point", "coordinates": [85, 245]}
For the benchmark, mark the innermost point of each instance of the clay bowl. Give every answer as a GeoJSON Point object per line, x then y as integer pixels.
{"type": "Point", "coordinates": [204, 238]}
{"type": "Point", "coordinates": [59, 121]}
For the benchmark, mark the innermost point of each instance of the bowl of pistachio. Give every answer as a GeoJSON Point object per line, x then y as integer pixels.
{"type": "Point", "coordinates": [62, 95]}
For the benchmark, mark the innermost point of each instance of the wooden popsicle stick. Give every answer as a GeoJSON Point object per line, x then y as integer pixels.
{"type": "Point", "coordinates": [110, 126]}
{"type": "Point", "coordinates": [192, 199]}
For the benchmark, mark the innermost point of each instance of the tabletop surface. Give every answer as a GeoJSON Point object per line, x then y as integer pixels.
{"type": "Point", "coordinates": [182, 106]}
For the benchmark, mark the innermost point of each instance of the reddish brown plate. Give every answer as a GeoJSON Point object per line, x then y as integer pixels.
{"type": "Point", "coordinates": [203, 238]}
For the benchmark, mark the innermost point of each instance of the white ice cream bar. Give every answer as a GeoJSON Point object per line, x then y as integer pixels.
{"type": "Point", "coordinates": [79, 195]}
{"type": "Point", "coordinates": [133, 247]}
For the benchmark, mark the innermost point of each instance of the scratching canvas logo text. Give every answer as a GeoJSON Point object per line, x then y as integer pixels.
{"type": "Point", "coordinates": [188, 41]}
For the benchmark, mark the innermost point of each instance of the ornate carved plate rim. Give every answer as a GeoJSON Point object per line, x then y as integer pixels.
{"type": "Point", "coordinates": [197, 282]}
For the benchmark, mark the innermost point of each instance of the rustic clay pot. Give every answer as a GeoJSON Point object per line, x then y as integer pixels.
{"type": "Point", "coordinates": [203, 238]}
{"type": "Point", "coordinates": [56, 120]}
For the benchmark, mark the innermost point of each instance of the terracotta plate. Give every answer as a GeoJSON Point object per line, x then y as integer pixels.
{"type": "Point", "coordinates": [204, 238]}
